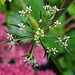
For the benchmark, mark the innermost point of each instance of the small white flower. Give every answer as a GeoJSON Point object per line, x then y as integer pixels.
{"type": "Point", "coordinates": [55, 9]}
{"type": "Point", "coordinates": [54, 50]}
{"type": "Point", "coordinates": [64, 44]}
{"type": "Point", "coordinates": [34, 63]}
{"type": "Point", "coordinates": [21, 26]}
{"type": "Point", "coordinates": [28, 9]}
{"type": "Point", "coordinates": [57, 23]}
{"type": "Point", "coordinates": [27, 60]}
{"type": "Point", "coordinates": [67, 38]}
{"type": "Point", "coordinates": [12, 43]}
{"type": "Point", "coordinates": [22, 13]}
{"type": "Point", "coordinates": [9, 36]}
{"type": "Point", "coordinates": [46, 7]}
{"type": "Point", "coordinates": [40, 20]}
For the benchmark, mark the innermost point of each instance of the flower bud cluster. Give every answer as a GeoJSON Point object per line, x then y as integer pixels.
{"type": "Point", "coordinates": [49, 8]}
{"type": "Point", "coordinates": [51, 50]}
{"type": "Point", "coordinates": [66, 38]}
{"type": "Point", "coordinates": [38, 34]}
{"type": "Point", "coordinates": [29, 59]}
{"type": "Point", "coordinates": [64, 41]}
{"type": "Point", "coordinates": [11, 38]}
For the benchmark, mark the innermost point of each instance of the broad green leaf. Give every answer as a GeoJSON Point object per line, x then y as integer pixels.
{"type": "Point", "coordinates": [3, 1]}
{"type": "Point", "coordinates": [71, 9]}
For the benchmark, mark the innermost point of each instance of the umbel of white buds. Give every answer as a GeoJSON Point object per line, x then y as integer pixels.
{"type": "Point", "coordinates": [40, 21]}
{"type": "Point", "coordinates": [57, 23]}
{"type": "Point", "coordinates": [38, 34]}
{"type": "Point", "coordinates": [28, 9]}
{"type": "Point", "coordinates": [22, 13]}
{"type": "Point", "coordinates": [21, 26]}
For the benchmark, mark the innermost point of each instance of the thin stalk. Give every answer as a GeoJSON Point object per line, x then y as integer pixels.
{"type": "Point", "coordinates": [55, 62]}
{"type": "Point", "coordinates": [32, 49]}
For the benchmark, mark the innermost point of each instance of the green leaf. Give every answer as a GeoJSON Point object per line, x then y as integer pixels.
{"type": "Point", "coordinates": [62, 61]}
{"type": "Point", "coordinates": [15, 20]}
{"type": "Point", "coordinates": [3, 1]}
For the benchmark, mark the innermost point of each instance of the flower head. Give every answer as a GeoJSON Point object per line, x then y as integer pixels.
{"type": "Point", "coordinates": [22, 13]}
{"type": "Point", "coordinates": [57, 23]}
{"type": "Point", "coordinates": [55, 9]}
{"type": "Point", "coordinates": [12, 43]}
{"type": "Point", "coordinates": [34, 63]}
{"type": "Point", "coordinates": [54, 50]}
{"type": "Point", "coordinates": [64, 44]}
{"type": "Point", "coordinates": [46, 7]}
{"type": "Point", "coordinates": [28, 9]}
{"type": "Point", "coordinates": [21, 26]}
{"type": "Point", "coordinates": [27, 60]}
{"type": "Point", "coordinates": [9, 36]}
{"type": "Point", "coordinates": [67, 38]}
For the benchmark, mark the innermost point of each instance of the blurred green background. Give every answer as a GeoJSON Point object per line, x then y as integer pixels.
{"type": "Point", "coordinates": [64, 59]}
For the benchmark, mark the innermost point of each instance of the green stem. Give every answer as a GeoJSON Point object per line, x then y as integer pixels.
{"type": "Point", "coordinates": [32, 20]}
{"type": "Point", "coordinates": [55, 62]}
{"type": "Point", "coordinates": [32, 49]}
